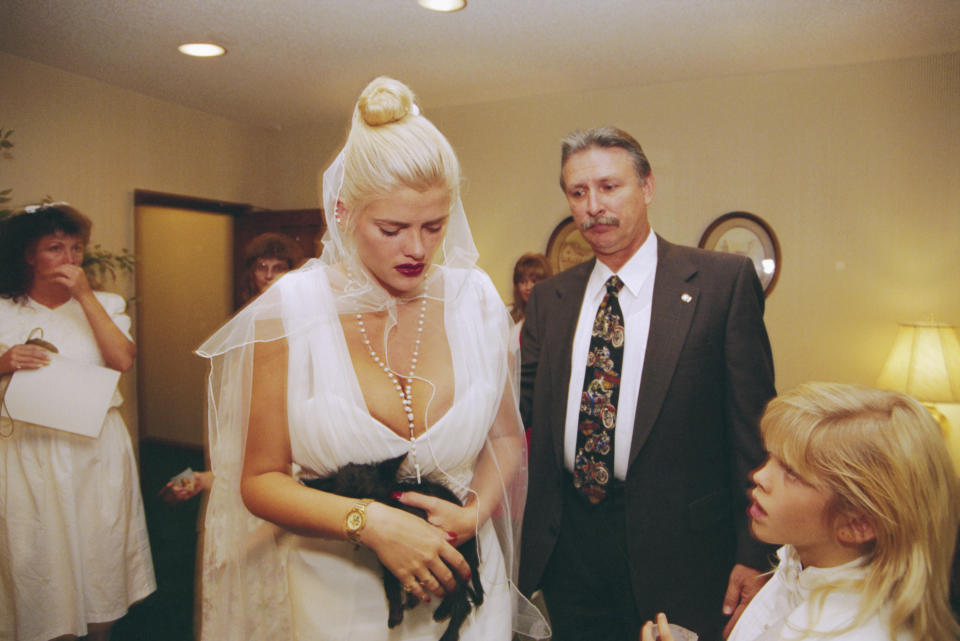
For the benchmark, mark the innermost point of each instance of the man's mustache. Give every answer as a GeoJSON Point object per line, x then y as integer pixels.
{"type": "Point", "coordinates": [603, 219]}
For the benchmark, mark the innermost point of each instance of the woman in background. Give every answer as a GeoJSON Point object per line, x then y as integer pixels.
{"type": "Point", "coordinates": [529, 270]}
{"type": "Point", "coordinates": [266, 258]}
{"type": "Point", "coordinates": [74, 552]}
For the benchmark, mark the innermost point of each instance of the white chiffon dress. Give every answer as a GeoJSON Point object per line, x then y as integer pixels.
{"type": "Point", "coordinates": [783, 609]}
{"type": "Point", "coordinates": [330, 426]}
{"type": "Point", "coordinates": [73, 538]}
{"type": "Point", "coordinates": [333, 589]}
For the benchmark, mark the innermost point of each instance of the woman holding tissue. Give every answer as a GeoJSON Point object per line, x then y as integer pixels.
{"type": "Point", "coordinates": [74, 552]}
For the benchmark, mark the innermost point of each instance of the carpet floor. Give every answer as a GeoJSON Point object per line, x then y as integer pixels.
{"type": "Point", "coordinates": [167, 614]}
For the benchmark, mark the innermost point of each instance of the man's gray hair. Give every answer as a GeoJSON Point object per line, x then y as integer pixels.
{"type": "Point", "coordinates": [605, 137]}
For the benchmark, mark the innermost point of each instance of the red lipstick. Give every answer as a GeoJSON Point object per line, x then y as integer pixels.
{"type": "Point", "coordinates": [410, 269]}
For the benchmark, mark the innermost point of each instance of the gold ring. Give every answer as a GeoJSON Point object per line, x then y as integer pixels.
{"type": "Point", "coordinates": [407, 589]}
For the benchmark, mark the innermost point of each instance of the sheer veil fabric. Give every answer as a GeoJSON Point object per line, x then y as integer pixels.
{"type": "Point", "coordinates": [244, 575]}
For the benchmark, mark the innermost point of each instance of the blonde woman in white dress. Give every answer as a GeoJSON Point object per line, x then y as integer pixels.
{"type": "Point", "coordinates": [393, 343]}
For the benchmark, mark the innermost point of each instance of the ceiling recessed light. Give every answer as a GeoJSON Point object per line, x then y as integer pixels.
{"type": "Point", "coordinates": [443, 5]}
{"type": "Point", "coordinates": [202, 49]}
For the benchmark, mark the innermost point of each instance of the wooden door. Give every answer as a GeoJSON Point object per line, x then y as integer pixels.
{"type": "Point", "coordinates": [189, 253]}
{"type": "Point", "coordinates": [184, 281]}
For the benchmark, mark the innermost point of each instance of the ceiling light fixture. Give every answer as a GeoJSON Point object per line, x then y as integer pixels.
{"type": "Point", "coordinates": [443, 5]}
{"type": "Point", "coordinates": [202, 49]}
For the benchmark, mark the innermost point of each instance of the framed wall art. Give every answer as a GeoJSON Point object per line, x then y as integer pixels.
{"type": "Point", "coordinates": [567, 247]}
{"type": "Point", "coordinates": [741, 232]}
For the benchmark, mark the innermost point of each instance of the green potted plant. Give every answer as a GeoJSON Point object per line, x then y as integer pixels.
{"type": "Point", "coordinates": [99, 263]}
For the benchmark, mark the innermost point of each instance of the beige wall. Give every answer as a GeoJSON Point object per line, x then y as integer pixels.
{"type": "Point", "coordinates": [298, 157]}
{"type": "Point", "coordinates": [855, 168]}
{"type": "Point", "coordinates": [91, 144]}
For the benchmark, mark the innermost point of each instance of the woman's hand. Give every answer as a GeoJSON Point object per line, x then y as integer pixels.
{"type": "Point", "coordinates": [459, 523]}
{"type": "Point", "coordinates": [417, 553]}
{"type": "Point", "coordinates": [175, 493]}
{"type": "Point", "coordinates": [117, 350]}
{"type": "Point", "coordinates": [74, 279]}
{"type": "Point", "coordinates": [23, 357]}
{"type": "Point", "coordinates": [662, 627]}
{"type": "Point", "coordinates": [178, 492]}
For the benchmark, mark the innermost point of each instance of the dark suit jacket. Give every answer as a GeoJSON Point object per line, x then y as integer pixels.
{"type": "Point", "coordinates": [707, 376]}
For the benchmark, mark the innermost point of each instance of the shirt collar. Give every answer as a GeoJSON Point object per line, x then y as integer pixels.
{"type": "Point", "coordinates": [800, 581]}
{"type": "Point", "coordinates": [634, 272]}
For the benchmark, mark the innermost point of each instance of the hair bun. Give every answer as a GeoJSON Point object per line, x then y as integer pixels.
{"type": "Point", "coordinates": [384, 101]}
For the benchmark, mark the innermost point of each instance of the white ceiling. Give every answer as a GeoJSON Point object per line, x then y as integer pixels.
{"type": "Point", "coordinates": [294, 62]}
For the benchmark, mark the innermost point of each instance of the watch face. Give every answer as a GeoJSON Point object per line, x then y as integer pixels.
{"type": "Point", "coordinates": [354, 521]}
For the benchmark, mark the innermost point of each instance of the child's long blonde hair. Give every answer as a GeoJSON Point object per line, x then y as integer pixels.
{"type": "Point", "coordinates": [884, 457]}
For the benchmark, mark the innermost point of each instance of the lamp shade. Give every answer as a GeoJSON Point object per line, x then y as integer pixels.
{"type": "Point", "coordinates": [924, 363]}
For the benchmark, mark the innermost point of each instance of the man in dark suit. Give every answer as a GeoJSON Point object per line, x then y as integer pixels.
{"type": "Point", "coordinates": [657, 522]}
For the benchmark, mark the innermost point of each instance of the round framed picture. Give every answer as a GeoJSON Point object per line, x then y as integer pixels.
{"type": "Point", "coordinates": [741, 232]}
{"type": "Point", "coordinates": [567, 247]}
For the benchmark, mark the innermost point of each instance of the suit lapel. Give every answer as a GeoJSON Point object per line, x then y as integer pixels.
{"type": "Point", "coordinates": [674, 303]}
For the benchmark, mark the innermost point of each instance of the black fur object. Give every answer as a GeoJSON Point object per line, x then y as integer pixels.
{"type": "Point", "coordinates": [378, 481]}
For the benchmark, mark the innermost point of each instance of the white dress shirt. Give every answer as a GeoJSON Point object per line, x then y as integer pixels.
{"type": "Point", "coordinates": [636, 299]}
{"type": "Point", "coordinates": [781, 609]}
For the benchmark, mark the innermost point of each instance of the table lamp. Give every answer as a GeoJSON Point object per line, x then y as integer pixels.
{"type": "Point", "coordinates": [925, 363]}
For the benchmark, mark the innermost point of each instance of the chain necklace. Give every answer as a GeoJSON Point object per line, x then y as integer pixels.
{"type": "Point", "coordinates": [405, 392]}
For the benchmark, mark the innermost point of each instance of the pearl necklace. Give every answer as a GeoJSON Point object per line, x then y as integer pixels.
{"type": "Point", "coordinates": [406, 393]}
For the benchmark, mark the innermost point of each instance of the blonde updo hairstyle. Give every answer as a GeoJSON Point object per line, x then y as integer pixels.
{"type": "Point", "coordinates": [390, 145]}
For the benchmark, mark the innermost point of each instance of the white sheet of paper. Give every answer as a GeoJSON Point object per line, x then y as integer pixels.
{"type": "Point", "coordinates": [66, 395]}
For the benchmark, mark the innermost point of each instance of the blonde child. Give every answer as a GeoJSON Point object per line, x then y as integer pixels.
{"type": "Point", "coordinates": [860, 491]}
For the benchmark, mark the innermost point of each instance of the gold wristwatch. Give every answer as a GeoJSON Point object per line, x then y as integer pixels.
{"type": "Point", "coordinates": [356, 519]}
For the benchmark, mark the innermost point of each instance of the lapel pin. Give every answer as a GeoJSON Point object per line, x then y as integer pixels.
{"type": "Point", "coordinates": [685, 297]}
